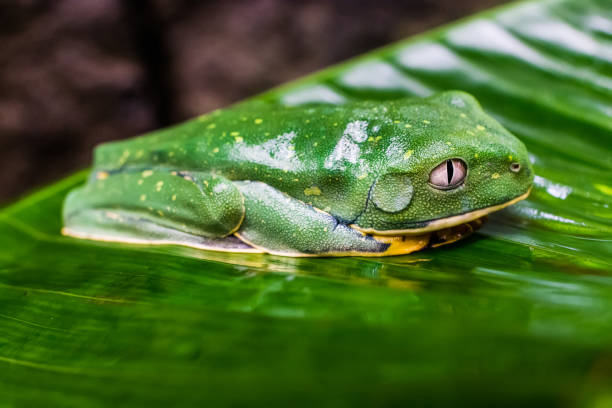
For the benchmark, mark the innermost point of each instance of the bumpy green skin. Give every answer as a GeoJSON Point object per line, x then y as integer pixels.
{"type": "Point", "coordinates": [365, 164]}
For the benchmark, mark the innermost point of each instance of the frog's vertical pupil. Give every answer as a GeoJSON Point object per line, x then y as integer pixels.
{"type": "Point", "coordinates": [449, 170]}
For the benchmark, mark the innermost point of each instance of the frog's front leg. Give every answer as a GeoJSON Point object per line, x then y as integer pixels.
{"type": "Point", "coordinates": [279, 224]}
{"type": "Point", "coordinates": [157, 207]}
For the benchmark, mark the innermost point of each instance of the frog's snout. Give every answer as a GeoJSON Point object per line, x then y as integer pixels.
{"type": "Point", "coordinates": [519, 175]}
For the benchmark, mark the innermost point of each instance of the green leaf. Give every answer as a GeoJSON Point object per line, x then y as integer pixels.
{"type": "Point", "coordinates": [519, 314]}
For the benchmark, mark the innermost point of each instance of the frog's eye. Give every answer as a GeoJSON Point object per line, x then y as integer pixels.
{"type": "Point", "coordinates": [448, 175]}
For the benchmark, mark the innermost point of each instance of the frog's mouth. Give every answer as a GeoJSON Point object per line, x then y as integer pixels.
{"type": "Point", "coordinates": [442, 224]}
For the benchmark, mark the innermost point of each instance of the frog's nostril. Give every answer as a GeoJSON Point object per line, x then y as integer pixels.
{"type": "Point", "coordinates": [515, 167]}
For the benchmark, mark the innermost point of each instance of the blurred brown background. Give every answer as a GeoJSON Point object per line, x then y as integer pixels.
{"type": "Point", "coordinates": [74, 73]}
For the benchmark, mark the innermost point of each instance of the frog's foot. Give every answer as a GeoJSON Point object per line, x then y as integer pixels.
{"type": "Point", "coordinates": [453, 234]}
{"type": "Point", "coordinates": [193, 209]}
{"type": "Point", "coordinates": [282, 225]}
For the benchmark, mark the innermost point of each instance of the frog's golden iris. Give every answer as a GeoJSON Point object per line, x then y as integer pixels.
{"type": "Point", "coordinates": [366, 178]}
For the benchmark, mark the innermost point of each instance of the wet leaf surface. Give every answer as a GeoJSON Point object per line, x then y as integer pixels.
{"type": "Point", "coordinates": [519, 313]}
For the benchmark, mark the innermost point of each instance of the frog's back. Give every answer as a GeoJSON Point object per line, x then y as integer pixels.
{"type": "Point", "coordinates": [318, 154]}
{"type": "Point", "coordinates": [268, 136]}
{"type": "Point", "coordinates": [259, 141]}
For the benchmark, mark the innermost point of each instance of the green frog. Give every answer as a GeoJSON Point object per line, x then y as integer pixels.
{"type": "Point", "coordinates": [367, 178]}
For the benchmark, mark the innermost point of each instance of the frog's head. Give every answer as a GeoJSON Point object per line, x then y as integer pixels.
{"type": "Point", "coordinates": [452, 165]}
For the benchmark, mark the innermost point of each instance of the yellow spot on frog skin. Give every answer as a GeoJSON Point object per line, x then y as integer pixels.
{"type": "Point", "coordinates": [325, 229]}
{"type": "Point", "coordinates": [147, 173]}
{"type": "Point", "coordinates": [378, 138]}
{"type": "Point", "coordinates": [495, 175]}
{"type": "Point", "coordinates": [296, 180]}
{"type": "Point", "coordinates": [510, 157]}
{"type": "Point", "coordinates": [206, 183]}
{"type": "Point", "coordinates": [475, 155]}
{"type": "Point", "coordinates": [159, 185]}
{"type": "Point", "coordinates": [370, 139]}
{"type": "Point", "coordinates": [364, 175]}
{"type": "Point", "coordinates": [239, 139]}
{"type": "Point", "coordinates": [408, 154]}
{"type": "Point", "coordinates": [307, 121]}
{"type": "Point", "coordinates": [408, 126]}
{"type": "Point", "coordinates": [463, 115]}
{"type": "Point", "coordinates": [139, 154]}
{"type": "Point", "coordinates": [211, 126]}
{"type": "Point", "coordinates": [480, 127]}
{"type": "Point", "coordinates": [315, 144]}
{"type": "Point", "coordinates": [234, 133]}
{"type": "Point", "coordinates": [216, 150]}
{"type": "Point", "coordinates": [469, 132]}
{"type": "Point", "coordinates": [140, 181]}
{"type": "Point", "coordinates": [161, 214]}
{"type": "Point", "coordinates": [173, 197]}
{"type": "Point", "coordinates": [448, 143]}
{"type": "Point", "coordinates": [143, 197]}
{"type": "Point", "coordinates": [335, 123]}
{"type": "Point", "coordinates": [258, 121]}
{"type": "Point", "coordinates": [426, 122]}
{"type": "Point", "coordinates": [124, 156]}
{"type": "Point", "coordinates": [314, 190]}
{"type": "Point", "coordinates": [102, 175]}
{"type": "Point", "coordinates": [170, 154]}
{"type": "Point", "coordinates": [396, 121]}
{"type": "Point", "coordinates": [604, 188]}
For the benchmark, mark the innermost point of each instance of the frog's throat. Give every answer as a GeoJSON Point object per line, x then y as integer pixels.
{"type": "Point", "coordinates": [442, 223]}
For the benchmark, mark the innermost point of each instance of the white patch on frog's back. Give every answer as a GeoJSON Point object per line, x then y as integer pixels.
{"type": "Point", "coordinates": [276, 153]}
{"type": "Point", "coordinates": [347, 148]}
{"type": "Point", "coordinates": [356, 130]}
